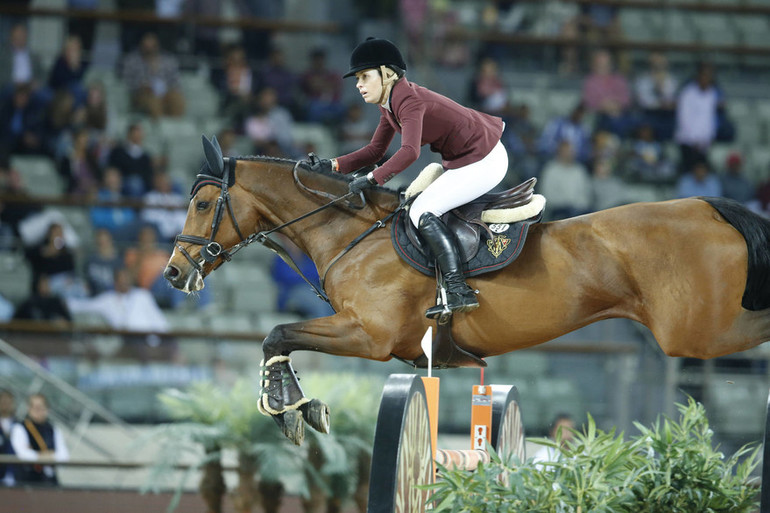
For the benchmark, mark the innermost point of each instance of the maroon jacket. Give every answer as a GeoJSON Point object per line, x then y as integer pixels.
{"type": "Point", "coordinates": [461, 135]}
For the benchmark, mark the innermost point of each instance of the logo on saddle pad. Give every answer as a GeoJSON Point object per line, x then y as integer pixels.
{"type": "Point", "coordinates": [497, 244]}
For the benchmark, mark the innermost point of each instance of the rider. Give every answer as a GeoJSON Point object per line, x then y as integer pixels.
{"type": "Point", "coordinates": [468, 141]}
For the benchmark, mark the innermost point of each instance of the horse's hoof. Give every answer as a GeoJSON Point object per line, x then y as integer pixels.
{"type": "Point", "coordinates": [293, 426]}
{"type": "Point", "coordinates": [317, 415]}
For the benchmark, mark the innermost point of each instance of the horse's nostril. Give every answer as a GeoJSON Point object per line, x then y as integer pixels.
{"type": "Point", "coordinates": [171, 272]}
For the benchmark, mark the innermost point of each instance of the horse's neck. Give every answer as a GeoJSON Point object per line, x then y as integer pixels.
{"type": "Point", "coordinates": [323, 235]}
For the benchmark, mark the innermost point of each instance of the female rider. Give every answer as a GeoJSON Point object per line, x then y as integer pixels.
{"type": "Point", "coordinates": [467, 140]}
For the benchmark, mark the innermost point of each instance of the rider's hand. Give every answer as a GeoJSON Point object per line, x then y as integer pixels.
{"type": "Point", "coordinates": [361, 183]}
{"type": "Point", "coordinates": [318, 165]}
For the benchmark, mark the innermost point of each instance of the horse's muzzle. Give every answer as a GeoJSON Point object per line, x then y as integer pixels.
{"type": "Point", "coordinates": [174, 276]}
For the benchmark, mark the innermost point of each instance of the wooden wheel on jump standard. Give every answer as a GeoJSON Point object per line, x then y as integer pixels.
{"type": "Point", "coordinates": [403, 456]}
{"type": "Point", "coordinates": [507, 427]}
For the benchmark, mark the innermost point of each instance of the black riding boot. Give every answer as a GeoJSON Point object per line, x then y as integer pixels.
{"type": "Point", "coordinates": [460, 297]}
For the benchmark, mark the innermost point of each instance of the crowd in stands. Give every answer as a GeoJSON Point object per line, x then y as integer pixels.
{"type": "Point", "coordinates": [585, 158]}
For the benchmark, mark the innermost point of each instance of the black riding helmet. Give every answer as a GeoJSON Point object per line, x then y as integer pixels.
{"type": "Point", "coordinates": [374, 53]}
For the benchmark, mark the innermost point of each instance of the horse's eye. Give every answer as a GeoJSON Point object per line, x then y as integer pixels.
{"type": "Point", "coordinates": [202, 205]}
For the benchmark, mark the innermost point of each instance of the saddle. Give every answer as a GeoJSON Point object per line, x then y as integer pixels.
{"type": "Point", "coordinates": [490, 230]}
{"type": "Point", "coordinates": [497, 222]}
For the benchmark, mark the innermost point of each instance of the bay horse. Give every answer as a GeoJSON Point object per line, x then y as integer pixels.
{"type": "Point", "coordinates": [694, 271]}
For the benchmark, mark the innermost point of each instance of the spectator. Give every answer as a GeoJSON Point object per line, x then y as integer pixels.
{"type": "Point", "coordinates": [269, 122]}
{"type": "Point", "coordinates": [566, 128]}
{"type": "Point", "coordinates": [294, 294]}
{"type": "Point", "coordinates": [127, 307]}
{"type": "Point", "coordinates": [22, 122]}
{"type": "Point", "coordinates": [96, 112]}
{"type": "Point", "coordinates": [102, 263]}
{"type": "Point", "coordinates": [79, 168]}
{"type": "Point", "coordinates": [355, 130]}
{"type": "Point", "coordinates": [12, 215]}
{"type": "Point", "coordinates": [146, 262]}
{"type": "Point", "coordinates": [696, 117]}
{"type": "Point", "coordinates": [61, 119]}
{"type": "Point", "coordinates": [488, 91]}
{"type": "Point", "coordinates": [168, 222]}
{"type": "Point", "coordinates": [43, 304]}
{"type": "Point", "coordinates": [648, 162]}
{"type": "Point", "coordinates": [152, 77]}
{"type": "Point", "coordinates": [608, 190]}
{"type": "Point", "coordinates": [322, 90]}
{"type": "Point", "coordinates": [68, 70]}
{"type": "Point", "coordinates": [655, 92]}
{"type": "Point", "coordinates": [7, 420]}
{"type": "Point", "coordinates": [236, 82]}
{"type": "Point", "coordinates": [277, 76]}
{"type": "Point", "coordinates": [36, 439]}
{"type": "Point", "coordinates": [698, 182]}
{"type": "Point", "coordinates": [134, 162]}
{"type": "Point", "coordinates": [566, 184]}
{"type": "Point", "coordinates": [607, 93]}
{"type": "Point", "coordinates": [54, 258]}
{"type": "Point", "coordinates": [560, 429]}
{"type": "Point", "coordinates": [735, 185]}
{"type": "Point", "coordinates": [119, 221]}
{"type": "Point", "coordinates": [18, 65]}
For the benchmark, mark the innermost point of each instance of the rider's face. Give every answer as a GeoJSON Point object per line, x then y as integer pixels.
{"type": "Point", "coordinates": [369, 84]}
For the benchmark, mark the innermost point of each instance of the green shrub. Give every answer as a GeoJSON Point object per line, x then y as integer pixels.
{"type": "Point", "coordinates": [669, 467]}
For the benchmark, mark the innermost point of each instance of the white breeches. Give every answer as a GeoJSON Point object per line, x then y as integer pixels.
{"type": "Point", "coordinates": [459, 186]}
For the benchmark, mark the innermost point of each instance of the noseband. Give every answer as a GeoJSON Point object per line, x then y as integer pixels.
{"type": "Point", "coordinates": [212, 249]}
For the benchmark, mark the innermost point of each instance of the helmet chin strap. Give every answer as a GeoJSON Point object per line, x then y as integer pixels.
{"type": "Point", "coordinates": [389, 78]}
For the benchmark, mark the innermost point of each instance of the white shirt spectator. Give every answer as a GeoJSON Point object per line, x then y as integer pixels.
{"type": "Point", "coordinates": [566, 185]}
{"type": "Point", "coordinates": [168, 222]}
{"type": "Point", "coordinates": [24, 450]}
{"type": "Point", "coordinates": [696, 116]}
{"type": "Point", "coordinates": [134, 310]}
{"type": "Point", "coordinates": [650, 96]}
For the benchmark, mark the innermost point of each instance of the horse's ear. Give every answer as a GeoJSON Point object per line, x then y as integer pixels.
{"type": "Point", "coordinates": [213, 156]}
{"type": "Point", "coordinates": [216, 144]}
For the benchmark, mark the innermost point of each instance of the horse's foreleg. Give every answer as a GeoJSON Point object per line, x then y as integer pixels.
{"type": "Point", "coordinates": [282, 396]}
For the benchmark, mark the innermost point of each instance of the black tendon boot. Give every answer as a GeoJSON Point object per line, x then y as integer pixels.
{"type": "Point", "coordinates": [460, 297]}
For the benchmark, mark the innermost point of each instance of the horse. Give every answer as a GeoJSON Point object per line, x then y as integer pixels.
{"type": "Point", "coordinates": [693, 271]}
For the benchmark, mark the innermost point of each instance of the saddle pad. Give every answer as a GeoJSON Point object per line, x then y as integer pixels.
{"type": "Point", "coordinates": [492, 254]}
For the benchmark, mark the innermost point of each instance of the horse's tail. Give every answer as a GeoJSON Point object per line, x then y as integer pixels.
{"type": "Point", "coordinates": [756, 231]}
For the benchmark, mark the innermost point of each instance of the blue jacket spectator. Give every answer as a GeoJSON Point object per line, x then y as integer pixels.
{"type": "Point", "coordinates": [698, 182]}
{"type": "Point", "coordinates": [735, 185]}
{"type": "Point", "coordinates": [566, 128]}
{"type": "Point", "coordinates": [121, 222]}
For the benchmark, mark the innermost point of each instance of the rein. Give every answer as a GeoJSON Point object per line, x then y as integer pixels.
{"type": "Point", "coordinates": [212, 249]}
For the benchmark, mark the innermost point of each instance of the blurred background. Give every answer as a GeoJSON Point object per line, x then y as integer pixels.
{"type": "Point", "coordinates": [102, 104]}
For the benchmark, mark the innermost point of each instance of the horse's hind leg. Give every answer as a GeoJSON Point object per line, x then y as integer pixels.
{"type": "Point", "coordinates": [282, 397]}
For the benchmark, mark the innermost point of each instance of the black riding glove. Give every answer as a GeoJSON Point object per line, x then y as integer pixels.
{"type": "Point", "coordinates": [318, 165]}
{"type": "Point", "coordinates": [361, 183]}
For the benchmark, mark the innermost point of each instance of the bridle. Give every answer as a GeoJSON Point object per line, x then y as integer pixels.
{"type": "Point", "coordinates": [211, 249]}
